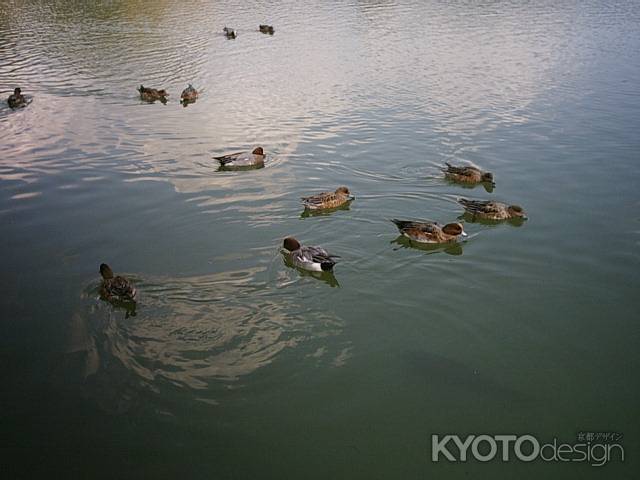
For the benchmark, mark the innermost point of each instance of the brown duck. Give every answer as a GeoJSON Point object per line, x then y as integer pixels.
{"type": "Point", "coordinates": [467, 174]}
{"type": "Point", "coordinates": [328, 200]}
{"type": "Point", "coordinates": [115, 288]}
{"type": "Point", "coordinates": [490, 210]}
{"type": "Point", "coordinates": [430, 232]}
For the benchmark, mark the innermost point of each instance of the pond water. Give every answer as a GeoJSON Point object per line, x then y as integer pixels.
{"type": "Point", "coordinates": [235, 365]}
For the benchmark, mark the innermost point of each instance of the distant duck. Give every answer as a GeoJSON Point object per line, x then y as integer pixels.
{"type": "Point", "coordinates": [16, 99]}
{"type": "Point", "coordinates": [254, 158]}
{"type": "Point", "coordinates": [152, 94]}
{"type": "Point", "coordinates": [229, 32]}
{"type": "Point", "coordinates": [189, 95]}
{"type": "Point", "coordinates": [489, 210]}
{"type": "Point", "coordinates": [267, 29]}
{"type": "Point", "coordinates": [467, 174]}
{"type": "Point", "coordinates": [430, 232]}
{"type": "Point", "coordinates": [116, 288]}
{"type": "Point", "coordinates": [328, 200]}
{"type": "Point", "coordinates": [314, 259]}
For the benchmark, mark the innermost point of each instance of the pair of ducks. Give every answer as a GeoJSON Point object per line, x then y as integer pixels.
{"type": "Point", "coordinates": [231, 33]}
{"type": "Point", "coordinates": [188, 95]}
{"type": "Point", "coordinates": [17, 99]}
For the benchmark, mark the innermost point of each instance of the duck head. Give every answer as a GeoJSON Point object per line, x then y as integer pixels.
{"type": "Point", "coordinates": [291, 244]}
{"type": "Point", "coordinates": [105, 271]}
{"type": "Point", "coordinates": [17, 91]}
{"type": "Point", "coordinates": [454, 229]}
{"type": "Point", "coordinates": [516, 211]}
{"type": "Point", "coordinates": [258, 151]}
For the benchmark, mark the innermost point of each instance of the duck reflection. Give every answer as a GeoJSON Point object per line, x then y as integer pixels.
{"type": "Point", "coordinates": [306, 213]}
{"type": "Point", "coordinates": [430, 248]}
{"type": "Point", "coordinates": [327, 277]}
{"type": "Point", "coordinates": [488, 186]}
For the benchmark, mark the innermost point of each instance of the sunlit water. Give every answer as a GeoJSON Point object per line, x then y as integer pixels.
{"type": "Point", "coordinates": [237, 366]}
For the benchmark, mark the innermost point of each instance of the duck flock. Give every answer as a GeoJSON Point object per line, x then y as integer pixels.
{"type": "Point", "coordinates": [117, 289]}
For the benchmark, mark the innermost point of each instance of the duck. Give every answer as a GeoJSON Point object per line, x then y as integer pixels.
{"type": "Point", "coordinates": [430, 232]}
{"type": "Point", "coordinates": [189, 95]}
{"type": "Point", "coordinates": [267, 29]}
{"type": "Point", "coordinates": [490, 210]}
{"type": "Point", "coordinates": [116, 288]}
{"type": "Point", "coordinates": [467, 174]}
{"type": "Point", "coordinates": [327, 200]}
{"type": "Point", "coordinates": [16, 99]}
{"type": "Point", "coordinates": [152, 94]}
{"type": "Point", "coordinates": [313, 259]}
{"type": "Point", "coordinates": [255, 158]}
{"type": "Point", "coordinates": [229, 32]}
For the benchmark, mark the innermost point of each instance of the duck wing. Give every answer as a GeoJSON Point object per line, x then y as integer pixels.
{"type": "Point", "coordinates": [224, 159]}
{"type": "Point", "coordinates": [478, 206]}
{"type": "Point", "coordinates": [121, 287]}
{"type": "Point", "coordinates": [315, 201]}
{"type": "Point", "coordinates": [427, 227]}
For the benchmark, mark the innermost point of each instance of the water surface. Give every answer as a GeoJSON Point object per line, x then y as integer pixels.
{"type": "Point", "coordinates": [237, 366]}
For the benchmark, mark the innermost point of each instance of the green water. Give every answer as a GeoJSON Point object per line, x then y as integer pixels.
{"type": "Point", "coordinates": [237, 366]}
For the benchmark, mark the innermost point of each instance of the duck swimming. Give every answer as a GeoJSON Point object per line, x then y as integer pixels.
{"type": "Point", "coordinates": [267, 29]}
{"type": "Point", "coordinates": [314, 259]}
{"type": "Point", "coordinates": [467, 174]}
{"type": "Point", "coordinates": [189, 95]}
{"type": "Point", "coordinates": [254, 158]}
{"type": "Point", "coordinates": [152, 94]}
{"type": "Point", "coordinates": [229, 32]}
{"type": "Point", "coordinates": [327, 200]}
{"type": "Point", "coordinates": [16, 99]}
{"type": "Point", "coordinates": [116, 288]}
{"type": "Point", "coordinates": [430, 232]}
{"type": "Point", "coordinates": [490, 210]}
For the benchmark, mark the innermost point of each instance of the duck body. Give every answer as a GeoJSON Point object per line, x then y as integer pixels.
{"type": "Point", "coordinates": [16, 99]}
{"type": "Point", "coordinates": [490, 210]}
{"type": "Point", "coordinates": [254, 158]}
{"type": "Point", "coordinates": [116, 288]}
{"type": "Point", "coordinates": [152, 94]}
{"type": "Point", "coordinates": [430, 232]}
{"type": "Point", "coordinates": [189, 95]}
{"type": "Point", "coordinates": [328, 200]}
{"type": "Point", "coordinates": [467, 174]}
{"type": "Point", "coordinates": [267, 29]}
{"type": "Point", "coordinates": [229, 32]}
{"type": "Point", "coordinates": [313, 259]}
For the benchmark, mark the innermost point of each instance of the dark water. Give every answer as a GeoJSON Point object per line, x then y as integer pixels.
{"type": "Point", "coordinates": [236, 366]}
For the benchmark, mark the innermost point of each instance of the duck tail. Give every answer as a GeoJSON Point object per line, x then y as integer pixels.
{"type": "Point", "coordinates": [400, 223]}
{"type": "Point", "coordinates": [327, 265]}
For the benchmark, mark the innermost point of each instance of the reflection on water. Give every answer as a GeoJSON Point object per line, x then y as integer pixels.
{"type": "Point", "coordinates": [375, 95]}
{"type": "Point", "coordinates": [194, 330]}
{"type": "Point", "coordinates": [190, 332]}
{"type": "Point", "coordinates": [448, 248]}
